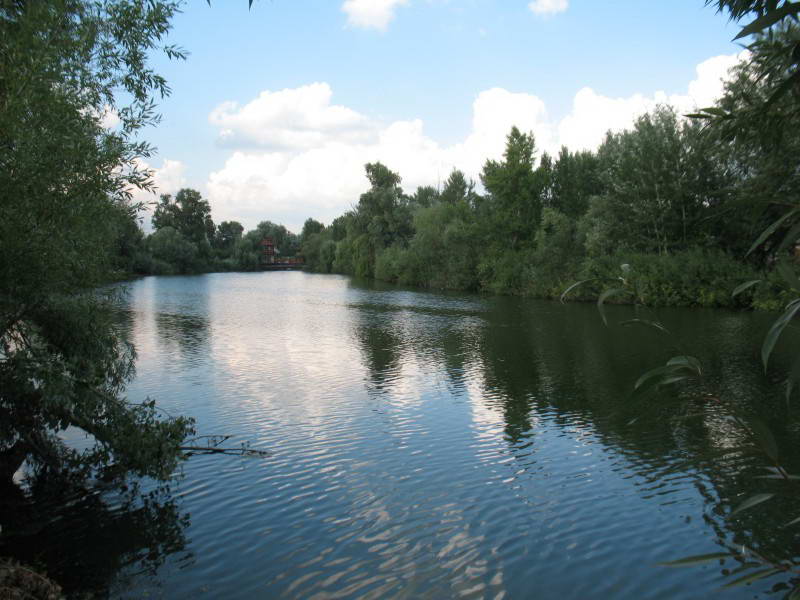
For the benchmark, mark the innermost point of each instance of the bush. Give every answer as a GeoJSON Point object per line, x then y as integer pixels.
{"type": "Point", "coordinates": [694, 277]}
{"type": "Point", "coordinates": [390, 265]}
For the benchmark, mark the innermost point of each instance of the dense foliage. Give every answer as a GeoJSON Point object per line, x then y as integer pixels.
{"type": "Point", "coordinates": [65, 223]}
{"type": "Point", "coordinates": [678, 202]}
{"type": "Point", "coordinates": [185, 240]}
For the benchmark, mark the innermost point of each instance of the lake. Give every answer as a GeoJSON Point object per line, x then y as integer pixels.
{"type": "Point", "coordinates": [439, 445]}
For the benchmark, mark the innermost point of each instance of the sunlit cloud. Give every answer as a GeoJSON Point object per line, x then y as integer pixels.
{"type": "Point", "coordinates": [109, 119]}
{"type": "Point", "coordinates": [594, 114]}
{"type": "Point", "coordinates": [371, 14]}
{"type": "Point", "coordinates": [289, 119]}
{"type": "Point", "coordinates": [548, 7]}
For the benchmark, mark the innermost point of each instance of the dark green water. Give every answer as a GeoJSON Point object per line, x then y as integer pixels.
{"type": "Point", "coordinates": [426, 445]}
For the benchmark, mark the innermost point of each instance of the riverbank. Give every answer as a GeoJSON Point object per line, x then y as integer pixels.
{"type": "Point", "coordinates": [692, 278]}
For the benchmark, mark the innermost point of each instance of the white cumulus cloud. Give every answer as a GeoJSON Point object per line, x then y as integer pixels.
{"type": "Point", "coordinates": [371, 14]}
{"type": "Point", "coordinates": [711, 75]}
{"type": "Point", "coordinates": [297, 155]}
{"type": "Point", "coordinates": [548, 7]}
{"type": "Point", "coordinates": [290, 119]}
{"type": "Point", "coordinates": [593, 114]}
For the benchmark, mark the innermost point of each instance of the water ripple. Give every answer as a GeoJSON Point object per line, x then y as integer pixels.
{"type": "Point", "coordinates": [419, 445]}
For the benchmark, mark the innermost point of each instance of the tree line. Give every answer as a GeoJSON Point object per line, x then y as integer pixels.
{"type": "Point", "coordinates": [675, 201]}
{"type": "Point", "coordinates": [185, 240]}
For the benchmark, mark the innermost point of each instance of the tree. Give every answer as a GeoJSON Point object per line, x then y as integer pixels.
{"type": "Point", "coordinates": [286, 242]}
{"type": "Point", "coordinates": [129, 241]}
{"type": "Point", "coordinates": [575, 178]}
{"type": "Point", "coordinates": [228, 233]}
{"type": "Point", "coordinates": [311, 227]}
{"type": "Point", "coordinates": [424, 197]}
{"type": "Point", "coordinates": [63, 175]}
{"type": "Point", "coordinates": [514, 203]}
{"type": "Point", "coordinates": [660, 185]}
{"type": "Point", "coordinates": [169, 246]}
{"type": "Point", "coordinates": [442, 252]}
{"type": "Point", "coordinates": [382, 218]}
{"type": "Point", "coordinates": [777, 56]}
{"type": "Point", "coordinates": [190, 215]}
{"type": "Point", "coordinates": [457, 189]}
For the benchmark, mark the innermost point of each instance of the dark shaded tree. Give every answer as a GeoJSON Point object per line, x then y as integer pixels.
{"type": "Point", "coordinates": [62, 362]}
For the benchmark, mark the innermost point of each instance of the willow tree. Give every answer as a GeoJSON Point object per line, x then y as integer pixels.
{"type": "Point", "coordinates": [69, 152]}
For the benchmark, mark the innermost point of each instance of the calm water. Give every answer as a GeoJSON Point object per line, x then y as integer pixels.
{"type": "Point", "coordinates": [427, 445]}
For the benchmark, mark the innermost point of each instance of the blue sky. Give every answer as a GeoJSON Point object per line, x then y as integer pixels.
{"type": "Point", "coordinates": [276, 109]}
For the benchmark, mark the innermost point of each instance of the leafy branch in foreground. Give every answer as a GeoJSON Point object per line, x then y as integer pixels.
{"type": "Point", "coordinates": [75, 92]}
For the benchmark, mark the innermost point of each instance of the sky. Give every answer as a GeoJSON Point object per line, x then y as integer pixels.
{"type": "Point", "coordinates": [277, 109]}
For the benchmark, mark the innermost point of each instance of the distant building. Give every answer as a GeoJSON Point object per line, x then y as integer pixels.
{"type": "Point", "coordinates": [268, 251]}
{"type": "Point", "coordinates": [269, 261]}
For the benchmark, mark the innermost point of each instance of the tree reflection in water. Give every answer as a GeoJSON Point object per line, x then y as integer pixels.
{"type": "Point", "coordinates": [91, 540]}
{"type": "Point", "coordinates": [533, 368]}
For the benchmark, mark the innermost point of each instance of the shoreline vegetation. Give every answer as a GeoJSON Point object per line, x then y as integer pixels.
{"type": "Point", "coordinates": [669, 198]}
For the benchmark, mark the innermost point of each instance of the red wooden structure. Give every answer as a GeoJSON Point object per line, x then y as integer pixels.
{"type": "Point", "coordinates": [267, 251]}
{"type": "Point", "coordinates": [269, 258]}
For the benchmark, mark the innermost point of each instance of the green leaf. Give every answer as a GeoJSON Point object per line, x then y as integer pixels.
{"type": "Point", "coordinates": [653, 324]}
{"type": "Point", "coordinates": [790, 238]}
{"type": "Point", "coordinates": [673, 379]}
{"type": "Point", "coordinates": [687, 362]}
{"type": "Point", "coordinates": [769, 19]}
{"type": "Point", "coordinates": [652, 374]}
{"type": "Point", "coordinates": [575, 285]}
{"type": "Point", "coordinates": [752, 577]}
{"type": "Point", "coordinates": [793, 379]}
{"type": "Point", "coordinates": [770, 230]}
{"type": "Point", "coordinates": [605, 296]}
{"type": "Point", "coordinates": [699, 559]}
{"type": "Point", "coordinates": [742, 287]}
{"type": "Point", "coordinates": [777, 328]}
{"type": "Point", "coordinates": [789, 276]}
{"type": "Point", "coordinates": [764, 437]}
{"type": "Point", "coordinates": [671, 372]}
{"type": "Point", "coordinates": [795, 594]}
{"type": "Point", "coordinates": [715, 111]}
{"type": "Point", "coordinates": [745, 567]}
{"type": "Point", "coordinates": [751, 502]}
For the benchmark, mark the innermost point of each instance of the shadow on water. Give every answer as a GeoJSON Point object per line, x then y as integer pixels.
{"type": "Point", "coordinates": [92, 542]}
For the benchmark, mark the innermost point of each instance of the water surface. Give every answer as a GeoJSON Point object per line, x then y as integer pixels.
{"type": "Point", "coordinates": [430, 445]}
